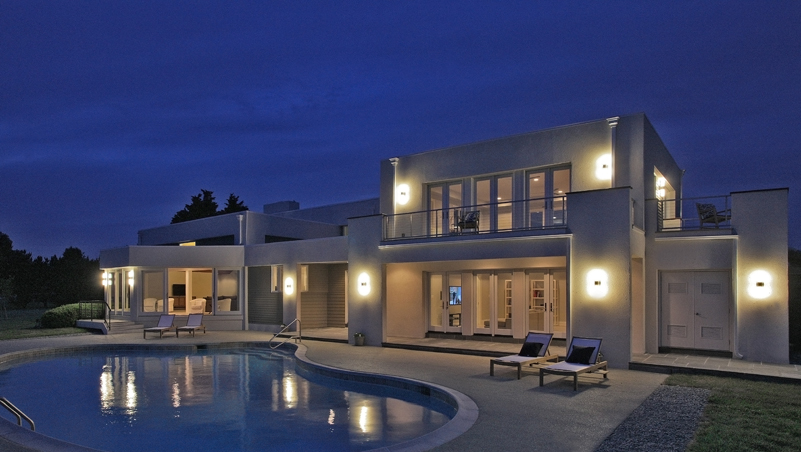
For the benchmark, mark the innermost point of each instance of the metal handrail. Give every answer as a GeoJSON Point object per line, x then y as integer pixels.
{"type": "Point", "coordinates": [106, 315]}
{"type": "Point", "coordinates": [682, 213]}
{"type": "Point", "coordinates": [17, 412]}
{"type": "Point", "coordinates": [286, 327]}
{"type": "Point", "coordinates": [526, 214]}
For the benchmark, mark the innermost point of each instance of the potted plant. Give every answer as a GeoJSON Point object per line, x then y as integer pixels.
{"type": "Point", "coordinates": [358, 339]}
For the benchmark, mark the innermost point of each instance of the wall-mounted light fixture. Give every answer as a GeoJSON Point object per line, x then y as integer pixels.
{"type": "Point", "coordinates": [363, 284]}
{"type": "Point", "coordinates": [130, 277]}
{"type": "Point", "coordinates": [289, 285]}
{"type": "Point", "coordinates": [759, 284]}
{"type": "Point", "coordinates": [402, 194]}
{"type": "Point", "coordinates": [105, 279]}
{"type": "Point", "coordinates": [597, 283]}
{"type": "Point", "coordinates": [603, 167]}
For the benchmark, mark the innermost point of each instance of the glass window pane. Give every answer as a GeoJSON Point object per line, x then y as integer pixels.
{"type": "Point", "coordinates": [504, 300]}
{"type": "Point", "coordinates": [200, 283]}
{"type": "Point", "coordinates": [176, 291]}
{"type": "Point", "coordinates": [227, 290]}
{"type": "Point", "coordinates": [435, 300]}
{"type": "Point", "coordinates": [152, 289]}
{"type": "Point", "coordinates": [482, 301]}
{"type": "Point", "coordinates": [504, 204]}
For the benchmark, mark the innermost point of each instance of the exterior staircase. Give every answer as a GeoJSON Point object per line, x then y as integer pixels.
{"type": "Point", "coordinates": [117, 326]}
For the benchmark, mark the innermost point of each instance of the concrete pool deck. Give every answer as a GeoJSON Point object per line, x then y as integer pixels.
{"type": "Point", "coordinates": [513, 414]}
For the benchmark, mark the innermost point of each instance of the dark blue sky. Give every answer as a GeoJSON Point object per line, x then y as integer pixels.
{"type": "Point", "coordinates": [114, 113]}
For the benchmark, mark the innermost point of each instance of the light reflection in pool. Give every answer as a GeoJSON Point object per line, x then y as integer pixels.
{"type": "Point", "coordinates": [224, 401]}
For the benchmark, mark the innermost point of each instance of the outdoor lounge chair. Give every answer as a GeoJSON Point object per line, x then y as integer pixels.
{"type": "Point", "coordinates": [468, 221]}
{"type": "Point", "coordinates": [533, 352]}
{"type": "Point", "coordinates": [193, 323]}
{"type": "Point", "coordinates": [708, 213]}
{"type": "Point", "coordinates": [582, 357]}
{"type": "Point", "coordinates": [165, 324]}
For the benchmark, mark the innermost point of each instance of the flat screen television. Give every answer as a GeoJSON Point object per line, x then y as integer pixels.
{"type": "Point", "coordinates": [455, 295]}
{"type": "Point", "coordinates": [179, 290]}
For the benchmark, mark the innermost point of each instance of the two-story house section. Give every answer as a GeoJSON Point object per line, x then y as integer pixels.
{"type": "Point", "coordinates": [581, 230]}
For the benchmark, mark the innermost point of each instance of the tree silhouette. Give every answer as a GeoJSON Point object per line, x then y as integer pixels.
{"type": "Point", "coordinates": [233, 204]}
{"type": "Point", "coordinates": [58, 280]}
{"type": "Point", "coordinates": [202, 206]}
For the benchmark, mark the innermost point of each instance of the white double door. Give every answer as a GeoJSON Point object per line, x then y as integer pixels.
{"type": "Point", "coordinates": [695, 310]}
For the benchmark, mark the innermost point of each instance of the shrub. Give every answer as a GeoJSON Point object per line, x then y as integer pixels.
{"type": "Point", "coordinates": [61, 317]}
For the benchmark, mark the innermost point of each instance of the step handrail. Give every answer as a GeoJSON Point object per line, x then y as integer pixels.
{"type": "Point", "coordinates": [17, 412]}
{"type": "Point", "coordinates": [286, 327]}
{"type": "Point", "coordinates": [106, 313]}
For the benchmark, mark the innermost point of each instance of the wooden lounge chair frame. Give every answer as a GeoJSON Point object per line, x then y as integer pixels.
{"type": "Point", "coordinates": [469, 220]}
{"type": "Point", "coordinates": [193, 323]}
{"type": "Point", "coordinates": [708, 213]}
{"type": "Point", "coordinates": [567, 369]}
{"type": "Point", "coordinates": [166, 323]}
{"type": "Point", "coordinates": [519, 360]}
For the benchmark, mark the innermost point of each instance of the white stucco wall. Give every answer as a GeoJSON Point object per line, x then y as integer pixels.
{"type": "Point", "coordinates": [578, 146]}
{"type": "Point", "coordinates": [366, 313]}
{"type": "Point", "coordinates": [761, 221]}
{"type": "Point", "coordinates": [600, 221]}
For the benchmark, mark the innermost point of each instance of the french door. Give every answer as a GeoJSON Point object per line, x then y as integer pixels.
{"type": "Point", "coordinates": [118, 291]}
{"type": "Point", "coordinates": [445, 302]}
{"type": "Point", "coordinates": [443, 200]}
{"type": "Point", "coordinates": [494, 201]}
{"type": "Point", "coordinates": [493, 301]}
{"type": "Point", "coordinates": [547, 204]}
{"type": "Point", "coordinates": [547, 302]}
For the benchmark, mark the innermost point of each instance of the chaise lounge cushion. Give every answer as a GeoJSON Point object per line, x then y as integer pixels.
{"type": "Point", "coordinates": [580, 355]}
{"type": "Point", "coordinates": [530, 349]}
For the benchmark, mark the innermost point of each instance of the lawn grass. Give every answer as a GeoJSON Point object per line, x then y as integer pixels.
{"type": "Point", "coordinates": [745, 415]}
{"type": "Point", "coordinates": [21, 324]}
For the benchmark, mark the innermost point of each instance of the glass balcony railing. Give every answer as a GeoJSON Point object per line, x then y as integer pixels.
{"type": "Point", "coordinates": [712, 212]}
{"type": "Point", "coordinates": [528, 214]}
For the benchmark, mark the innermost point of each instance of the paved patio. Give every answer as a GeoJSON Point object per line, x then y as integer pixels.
{"type": "Point", "coordinates": [513, 414]}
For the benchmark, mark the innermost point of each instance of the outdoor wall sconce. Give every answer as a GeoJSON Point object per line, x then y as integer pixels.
{"type": "Point", "coordinates": [363, 284]}
{"type": "Point", "coordinates": [597, 283]}
{"type": "Point", "coordinates": [289, 285]}
{"type": "Point", "coordinates": [130, 278]}
{"type": "Point", "coordinates": [402, 194]}
{"type": "Point", "coordinates": [759, 284]}
{"type": "Point", "coordinates": [105, 279]}
{"type": "Point", "coordinates": [603, 167]}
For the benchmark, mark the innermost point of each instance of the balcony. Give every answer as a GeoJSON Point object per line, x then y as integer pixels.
{"type": "Point", "coordinates": [694, 214]}
{"type": "Point", "coordinates": [523, 215]}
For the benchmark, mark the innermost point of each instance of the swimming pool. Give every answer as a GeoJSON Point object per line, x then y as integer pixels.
{"type": "Point", "coordinates": [229, 399]}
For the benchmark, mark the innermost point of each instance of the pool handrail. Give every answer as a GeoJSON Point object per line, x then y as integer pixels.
{"type": "Point", "coordinates": [286, 327]}
{"type": "Point", "coordinates": [17, 412]}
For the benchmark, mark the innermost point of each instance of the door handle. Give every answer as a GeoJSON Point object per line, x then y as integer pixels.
{"type": "Point", "coordinates": [697, 314]}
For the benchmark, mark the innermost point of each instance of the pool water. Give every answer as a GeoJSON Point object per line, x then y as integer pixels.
{"type": "Point", "coordinates": [221, 401]}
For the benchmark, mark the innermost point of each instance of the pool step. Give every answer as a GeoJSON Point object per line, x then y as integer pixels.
{"type": "Point", "coordinates": [117, 326]}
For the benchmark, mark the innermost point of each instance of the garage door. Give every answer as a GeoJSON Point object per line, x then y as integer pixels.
{"type": "Point", "coordinates": [695, 310]}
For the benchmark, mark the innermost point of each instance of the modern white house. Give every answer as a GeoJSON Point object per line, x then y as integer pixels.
{"type": "Point", "coordinates": [581, 230]}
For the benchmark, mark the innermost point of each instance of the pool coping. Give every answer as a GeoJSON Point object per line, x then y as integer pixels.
{"type": "Point", "coordinates": [466, 409]}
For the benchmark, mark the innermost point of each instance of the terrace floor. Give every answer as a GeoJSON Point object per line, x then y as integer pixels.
{"type": "Point", "coordinates": [512, 413]}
